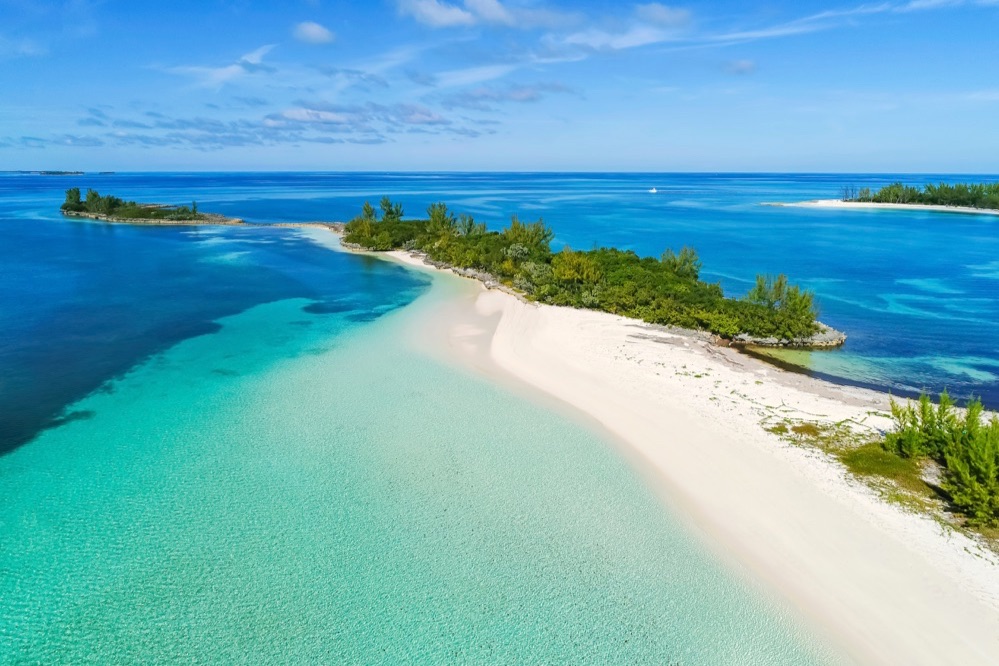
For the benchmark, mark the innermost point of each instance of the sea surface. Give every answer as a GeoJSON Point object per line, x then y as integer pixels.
{"type": "Point", "coordinates": [216, 444]}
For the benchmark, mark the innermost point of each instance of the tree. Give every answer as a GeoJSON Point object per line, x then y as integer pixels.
{"type": "Point", "coordinates": [368, 212]}
{"type": "Point", "coordinates": [468, 227]}
{"type": "Point", "coordinates": [72, 199]}
{"type": "Point", "coordinates": [686, 265]}
{"type": "Point", "coordinates": [93, 201]}
{"type": "Point", "coordinates": [575, 268]}
{"type": "Point", "coordinates": [441, 222]}
{"type": "Point", "coordinates": [390, 212]}
{"type": "Point", "coordinates": [535, 236]}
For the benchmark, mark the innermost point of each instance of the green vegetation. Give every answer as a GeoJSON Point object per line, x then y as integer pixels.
{"type": "Point", "coordinates": [966, 447]}
{"type": "Point", "coordinates": [896, 479]}
{"type": "Point", "coordinates": [977, 195]}
{"type": "Point", "coordinates": [114, 207]}
{"type": "Point", "coordinates": [934, 459]}
{"type": "Point", "coordinates": [664, 291]}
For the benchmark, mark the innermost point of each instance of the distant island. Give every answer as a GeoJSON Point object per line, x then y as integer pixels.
{"type": "Point", "coordinates": [975, 195]}
{"type": "Point", "coordinates": [46, 173]}
{"type": "Point", "coordinates": [110, 208]}
{"type": "Point", "coordinates": [666, 291]}
{"type": "Point", "coordinates": [975, 198]}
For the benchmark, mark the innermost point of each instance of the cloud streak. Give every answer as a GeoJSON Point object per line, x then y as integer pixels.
{"type": "Point", "coordinates": [443, 14]}
{"type": "Point", "coordinates": [216, 77]}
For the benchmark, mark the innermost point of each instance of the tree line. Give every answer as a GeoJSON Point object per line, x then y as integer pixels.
{"type": "Point", "coordinates": [974, 195]}
{"type": "Point", "coordinates": [112, 206]}
{"type": "Point", "coordinates": [666, 291]}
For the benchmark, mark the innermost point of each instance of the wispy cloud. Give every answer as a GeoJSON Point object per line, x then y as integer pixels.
{"type": "Point", "coordinates": [216, 77]}
{"type": "Point", "coordinates": [740, 67]}
{"type": "Point", "coordinates": [369, 117]}
{"type": "Point", "coordinates": [442, 14]}
{"type": "Point", "coordinates": [436, 14]}
{"type": "Point", "coordinates": [656, 13]}
{"type": "Point", "coordinates": [472, 75]}
{"type": "Point", "coordinates": [348, 77]}
{"type": "Point", "coordinates": [19, 48]}
{"type": "Point", "coordinates": [312, 33]}
{"type": "Point", "coordinates": [486, 98]}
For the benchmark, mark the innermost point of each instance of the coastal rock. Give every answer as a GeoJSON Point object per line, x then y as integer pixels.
{"type": "Point", "coordinates": [826, 338]}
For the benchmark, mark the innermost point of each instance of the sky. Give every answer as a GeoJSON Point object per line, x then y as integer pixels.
{"type": "Point", "coordinates": [500, 85]}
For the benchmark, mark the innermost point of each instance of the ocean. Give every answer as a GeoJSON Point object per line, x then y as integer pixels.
{"type": "Point", "coordinates": [216, 445]}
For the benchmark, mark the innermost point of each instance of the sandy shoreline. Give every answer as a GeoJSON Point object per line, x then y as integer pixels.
{"type": "Point", "coordinates": [863, 205]}
{"type": "Point", "coordinates": [887, 586]}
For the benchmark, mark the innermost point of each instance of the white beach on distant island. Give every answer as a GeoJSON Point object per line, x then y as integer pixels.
{"type": "Point", "coordinates": [860, 205]}
{"type": "Point", "coordinates": [885, 585]}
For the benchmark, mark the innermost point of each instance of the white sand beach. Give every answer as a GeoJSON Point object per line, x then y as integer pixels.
{"type": "Point", "coordinates": [886, 585]}
{"type": "Point", "coordinates": [862, 205]}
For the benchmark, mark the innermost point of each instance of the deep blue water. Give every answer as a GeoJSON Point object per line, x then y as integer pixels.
{"type": "Point", "coordinates": [81, 302]}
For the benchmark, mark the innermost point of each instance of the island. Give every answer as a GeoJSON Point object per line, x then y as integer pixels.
{"type": "Point", "coordinates": [666, 291]}
{"type": "Point", "coordinates": [110, 208]}
{"type": "Point", "coordinates": [974, 198]}
{"type": "Point", "coordinates": [113, 210]}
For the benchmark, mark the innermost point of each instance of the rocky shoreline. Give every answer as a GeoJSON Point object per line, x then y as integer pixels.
{"type": "Point", "coordinates": [208, 219]}
{"type": "Point", "coordinates": [826, 338]}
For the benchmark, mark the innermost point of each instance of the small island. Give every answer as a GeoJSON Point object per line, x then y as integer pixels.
{"type": "Point", "coordinates": [983, 196]}
{"type": "Point", "coordinates": [974, 198]}
{"type": "Point", "coordinates": [109, 208]}
{"type": "Point", "coordinates": [665, 291]}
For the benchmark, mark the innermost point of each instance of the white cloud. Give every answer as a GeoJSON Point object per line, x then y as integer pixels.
{"type": "Point", "coordinates": [313, 33]}
{"type": "Point", "coordinates": [302, 115]}
{"type": "Point", "coordinates": [470, 75]}
{"type": "Point", "coordinates": [435, 13]}
{"type": "Point", "coordinates": [17, 48]}
{"type": "Point", "coordinates": [984, 96]}
{"type": "Point", "coordinates": [215, 77]}
{"type": "Point", "coordinates": [740, 67]}
{"type": "Point", "coordinates": [490, 11]}
{"type": "Point", "coordinates": [441, 14]}
{"type": "Point", "coordinates": [662, 15]}
{"type": "Point", "coordinates": [599, 40]}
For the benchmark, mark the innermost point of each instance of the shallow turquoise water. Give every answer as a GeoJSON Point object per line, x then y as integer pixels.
{"type": "Point", "coordinates": [297, 487]}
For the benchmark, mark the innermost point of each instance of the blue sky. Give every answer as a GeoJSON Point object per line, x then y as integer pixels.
{"type": "Point", "coordinates": [901, 85]}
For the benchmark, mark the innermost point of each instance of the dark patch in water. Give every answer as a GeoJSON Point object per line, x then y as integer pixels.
{"type": "Point", "coordinates": [363, 316]}
{"type": "Point", "coordinates": [329, 307]}
{"type": "Point", "coordinates": [69, 417]}
{"type": "Point", "coordinates": [225, 373]}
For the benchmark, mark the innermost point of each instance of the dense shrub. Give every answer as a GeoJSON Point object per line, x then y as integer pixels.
{"type": "Point", "coordinates": [966, 447]}
{"type": "Point", "coordinates": [666, 291]}
{"type": "Point", "coordinates": [114, 207]}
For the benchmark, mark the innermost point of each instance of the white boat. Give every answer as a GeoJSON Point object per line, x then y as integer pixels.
{"type": "Point", "coordinates": [653, 191]}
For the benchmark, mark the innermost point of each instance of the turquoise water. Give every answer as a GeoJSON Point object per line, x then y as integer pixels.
{"type": "Point", "coordinates": [915, 290]}
{"type": "Point", "coordinates": [299, 487]}
{"type": "Point", "coordinates": [215, 445]}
